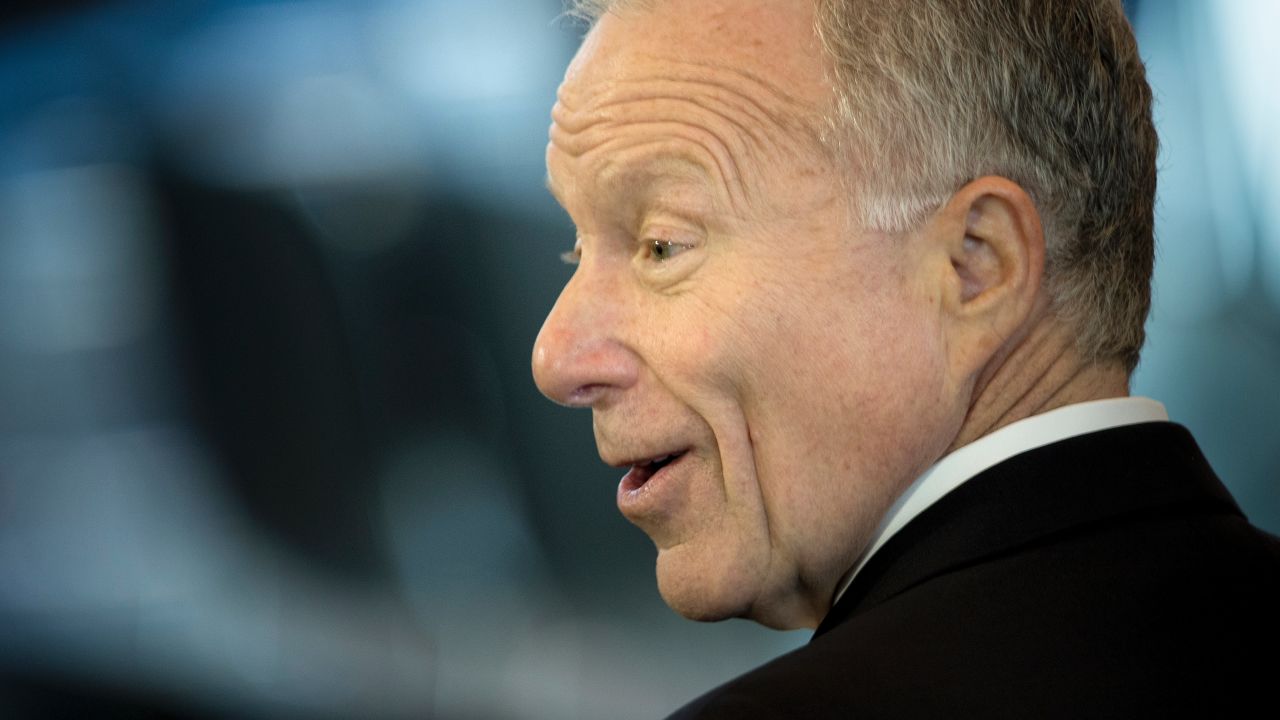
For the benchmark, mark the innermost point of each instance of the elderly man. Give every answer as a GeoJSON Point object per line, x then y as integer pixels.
{"type": "Point", "coordinates": [859, 288]}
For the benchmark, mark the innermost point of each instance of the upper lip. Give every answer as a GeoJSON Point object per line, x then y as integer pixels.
{"type": "Point", "coordinates": [646, 459]}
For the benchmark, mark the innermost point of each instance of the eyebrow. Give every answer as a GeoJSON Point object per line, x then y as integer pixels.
{"type": "Point", "coordinates": [631, 180]}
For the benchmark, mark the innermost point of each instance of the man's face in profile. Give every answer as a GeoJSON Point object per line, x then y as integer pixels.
{"type": "Point", "coordinates": [767, 375]}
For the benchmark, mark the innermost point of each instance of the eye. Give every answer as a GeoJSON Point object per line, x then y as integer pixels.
{"type": "Point", "coordinates": [663, 250]}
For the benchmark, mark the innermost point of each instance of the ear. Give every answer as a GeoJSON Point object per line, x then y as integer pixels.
{"type": "Point", "coordinates": [990, 232]}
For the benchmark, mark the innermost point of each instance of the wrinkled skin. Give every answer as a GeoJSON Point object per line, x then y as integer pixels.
{"type": "Point", "coordinates": [724, 305]}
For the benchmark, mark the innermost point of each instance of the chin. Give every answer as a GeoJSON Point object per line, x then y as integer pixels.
{"type": "Point", "coordinates": [705, 594]}
{"type": "Point", "coordinates": [708, 586]}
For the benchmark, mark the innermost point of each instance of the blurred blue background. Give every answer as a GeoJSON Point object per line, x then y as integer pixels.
{"type": "Point", "coordinates": [270, 273]}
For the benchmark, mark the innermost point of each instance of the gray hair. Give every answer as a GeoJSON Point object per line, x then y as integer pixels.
{"type": "Point", "coordinates": [1051, 94]}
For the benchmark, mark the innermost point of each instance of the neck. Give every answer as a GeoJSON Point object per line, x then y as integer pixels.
{"type": "Point", "coordinates": [1038, 373]}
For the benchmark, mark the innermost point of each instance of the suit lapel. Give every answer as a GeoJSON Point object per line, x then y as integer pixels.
{"type": "Point", "coordinates": [1041, 494]}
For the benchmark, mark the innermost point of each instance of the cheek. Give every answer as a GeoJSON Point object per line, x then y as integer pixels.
{"type": "Point", "coordinates": [834, 346]}
{"type": "Point", "coordinates": [883, 372]}
{"type": "Point", "coordinates": [843, 387]}
{"type": "Point", "coordinates": [697, 341]}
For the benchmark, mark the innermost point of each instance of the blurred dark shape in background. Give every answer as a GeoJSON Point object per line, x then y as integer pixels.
{"type": "Point", "coordinates": [270, 273]}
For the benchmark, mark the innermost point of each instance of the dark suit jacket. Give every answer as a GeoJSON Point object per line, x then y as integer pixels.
{"type": "Point", "coordinates": [1108, 575]}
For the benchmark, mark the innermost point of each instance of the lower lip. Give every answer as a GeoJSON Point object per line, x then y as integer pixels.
{"type": "Point", "coordinates": [636, 497]}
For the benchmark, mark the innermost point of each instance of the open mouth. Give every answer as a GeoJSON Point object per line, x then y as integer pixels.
{"type": "Point", "coordinates": [645, 470]}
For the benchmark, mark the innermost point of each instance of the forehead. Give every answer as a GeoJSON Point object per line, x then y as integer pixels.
{"type": "Point", "coordinates": [721, 86]}
{"type": "Point", "coordinates": [771, 42]}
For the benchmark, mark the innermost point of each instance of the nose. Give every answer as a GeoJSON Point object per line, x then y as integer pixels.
{"type": "Point", "coordinates": [579, 358]}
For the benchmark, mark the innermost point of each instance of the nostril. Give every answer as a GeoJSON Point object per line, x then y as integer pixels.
{"type": "Point", "coordinates": [584, 396]}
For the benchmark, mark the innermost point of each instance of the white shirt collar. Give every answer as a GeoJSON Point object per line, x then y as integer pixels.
{"type": "Point", "coordinates": [1030, 433]}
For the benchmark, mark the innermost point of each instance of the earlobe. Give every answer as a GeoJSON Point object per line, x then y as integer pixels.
{"type": "Point", "coordinates": [992, 233]}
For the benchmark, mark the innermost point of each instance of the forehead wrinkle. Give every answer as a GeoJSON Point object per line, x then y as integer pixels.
{"type": "Point", "coordinates": [656, 156]}
{"type": "Point", "coordinates": [763, 126]}
{"type": "Point", "coordinates": [719, 104]}
{"type": "Point", "coordinates": [597, 136]}
{"type": "Point", "coordinates": [794, 114]}
{"type": "Point", "coordinates": [791, 115]}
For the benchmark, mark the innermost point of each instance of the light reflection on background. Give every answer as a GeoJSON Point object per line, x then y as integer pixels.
{"type": "Point", "coordinates": [269, 277]}
{"type": "Point", "coordinates": [1213, 352]}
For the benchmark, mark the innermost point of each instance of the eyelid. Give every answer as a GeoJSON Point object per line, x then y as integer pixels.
{"type": "Point", "coordinates": [667, 235]}
{"type": "Point", "coordinates": [652, 244]}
